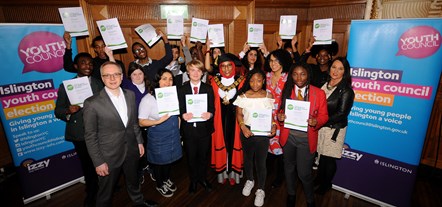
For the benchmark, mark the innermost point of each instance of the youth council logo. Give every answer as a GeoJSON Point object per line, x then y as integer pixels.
{"type": "Point", "coordinates": [419, 42]}
{"type": "Point", "coordinates": [42, 52]}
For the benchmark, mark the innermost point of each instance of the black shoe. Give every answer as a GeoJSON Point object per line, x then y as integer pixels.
{"type": "Point", "coordinates": [148, 203]}
{"type": "Point", "coordinates": [291, 200]}
{"type": "Point", "coordinates": [322, 189]}
{"type": "Point", "coordinates": [207, 186]}
{"type": "Point", "coordinates": [192, 188]}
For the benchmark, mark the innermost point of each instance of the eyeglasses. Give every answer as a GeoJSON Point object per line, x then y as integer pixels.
{"type": "Point", "coordinates": [226, 65]}
{"type": "Point", "coordinates": [139, 50]}
{"type": "Point", "coordinates": [108, 76]}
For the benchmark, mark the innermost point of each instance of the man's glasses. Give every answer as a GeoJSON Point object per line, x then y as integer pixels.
{"type": "Point", "coordinates": [108, 76]}
{"type": "Point", "coordinates": [139, 50]}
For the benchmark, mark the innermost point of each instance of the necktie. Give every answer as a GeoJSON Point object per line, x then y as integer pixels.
{"type": "Point", "coordinates": [300, 95]}
{"type": "Point", "coordinates": [195, 90]}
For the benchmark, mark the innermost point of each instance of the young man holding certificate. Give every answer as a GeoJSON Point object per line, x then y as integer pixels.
{"type": "Point", "coordinates": [197, 108]}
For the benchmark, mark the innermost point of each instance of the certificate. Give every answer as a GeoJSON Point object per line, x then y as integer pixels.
{"type": "Point", "coordinates": [322, 31]}
{"type": "Point", "coordinates": [175, 27]}
{"type": "Point", "coordinates": [112, 35]}
{"type": "Point", "coordinates": [197, 105]}
{"type": "Point", "coordinates": [261, 122]}
{"type": "Point", "coordinates": [297, 114]}
{"type": "Point", "coordinates": [78, 90]}
{"type": "Point", "coordinates": [216, 35]}
{"type": "Point", "coordinates": [198, 31]}
{"type": "Point", "coordinates": [148, 33]}
{"type": "Point", "coordinates": [73, 21]}
{"type": "Point", "coordinates": [255, 35]}
{"type": "Point", "coordinates": [167, 101]}
{"type": "Point", "coordinates": [287, 26]}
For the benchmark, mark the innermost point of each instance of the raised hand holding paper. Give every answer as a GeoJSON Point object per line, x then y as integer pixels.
{"type": "Point", "coordinates": [112, 35]}
{"type": "Point", "coordinates": [198, 31]}
{"type": "Point", "coordinates": [255, 35]}
{"type": "Point", "coordinates": [287, 26]}
{"type": "Point", "coordinates": [148, 33]}
{"type": "Point", "coordinates": [73, 21]}
{"type": "Point", "coordinates": [322, 31]}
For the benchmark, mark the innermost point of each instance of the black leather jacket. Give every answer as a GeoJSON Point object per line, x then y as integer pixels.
{"type": "Point", "coordinates": [339, 104]}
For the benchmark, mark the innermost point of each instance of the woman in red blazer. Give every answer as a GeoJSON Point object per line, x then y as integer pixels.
{"type": "Point", "coordinates": [299, 147]}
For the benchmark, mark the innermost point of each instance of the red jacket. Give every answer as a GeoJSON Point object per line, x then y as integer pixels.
{"type": "Point", "coordinates": [318, 110]}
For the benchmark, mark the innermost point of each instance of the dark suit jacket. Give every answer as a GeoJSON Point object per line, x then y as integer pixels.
{"type": "Point", "coordinates": [107, 139]}
{"type": "Point", "coordinates": [204, 128]}
{"type": "Point", "coordinates": [339, 105]}
{"type": "Point", "coordinates": [74, 126]}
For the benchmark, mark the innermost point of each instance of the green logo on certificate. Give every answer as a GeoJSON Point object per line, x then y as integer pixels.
{"type": "Point", "coordinates": [290, 107]}
{"type": "Point", "coordinates": [103, 28]}
{"type": "Point", "coordinates": [255, 115]}
{"type": "Point", "coordinates": [251, 29]}
{"type": "Point", "coordinates": [190, 101]}
{"type": "Point", "coordinates": [70, 87]}
{"type": "Point", "coordinates": [65, 15]}
{"type": "Point", "coordinates": [160, 95]}
{"type": "Point", "coordinates": [316, 26]}
{"type": "Point", "coordinates": [140, 31]}
{"type": "Point", "coordinates": [195, 24]}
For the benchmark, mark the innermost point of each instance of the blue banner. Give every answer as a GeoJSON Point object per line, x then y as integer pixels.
{"type": "Point", "coordinates": [395, 68]}
{"type": "Point", "coordinates": [32, 70]}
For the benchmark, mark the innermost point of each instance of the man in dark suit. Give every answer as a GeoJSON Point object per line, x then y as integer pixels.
{"type": "Point", "coordinates": [113, 137]}
{"type": "Point", "coordinates": [73, 116]}
{"type": "Point", "coordinates": [197, 135]}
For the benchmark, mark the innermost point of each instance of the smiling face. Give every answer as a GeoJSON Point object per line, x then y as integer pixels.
{"type": "Point", "coordinates": [195, 73]}
{"type": "Point", "coordinates": [275, 65]}
{"type": "Point", "coordinates": [111, 76]}
{"type": "Point", "coordinates": [227, 68]}
{"type": "Point", "coordinates": [256, 82]}
{"type": "Point", "coordinates": [337, 71]}
{"type": "Point", "coordinates": [323, 57]}
{"type": "Point", "coordinates": [300, 76]}
{"type": "Point", "coordinates": [139, 51]}
{"type": "Point", "coordinates": [175, 53]}
{"type": "Point", "coordinates": [252, 56]}
{"type": "Point", "coordinates": [137, 77]}
{"type": "Point", "coordinates": [84, 66]}
{"type": "Point", "coordinates": [166, 80]}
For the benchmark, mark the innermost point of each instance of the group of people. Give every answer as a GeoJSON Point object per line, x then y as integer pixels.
{"type": "Point", "coordinates": [120, 123]}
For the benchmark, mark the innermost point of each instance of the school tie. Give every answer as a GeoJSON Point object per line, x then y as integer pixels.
{"type": "Point", "coordinates": [300, 95]}
{"type": "Point", "coordinates": [195, 90]}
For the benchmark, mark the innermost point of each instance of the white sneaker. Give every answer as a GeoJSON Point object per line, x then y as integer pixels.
{"type": "Point", "coordinates": [259, 197]}
{"type": "Point", "coordinates": [248, 187]}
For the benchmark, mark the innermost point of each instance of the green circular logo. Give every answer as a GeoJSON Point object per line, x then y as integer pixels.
{"type": "Point", "coordinates": [190, 101]}
{"type": "Point", "coordinates": [255, 115]}
{"type": "Point", "coordinates": [65, 15]}
{"type": "Point", "coordinates": [70, 87]}
{"type": "Point", "coordinates": [251, 29]}
{"type": "Point", "coordinates": [160, 95]}
{"type": "Point", "coordinates": [140, 30]}
{"type": "Point", "coordinates": [316, 26]}
{"type": "Point", "coordinates": [195, 24]}
{"type": "Point", "coordinates": [290, 107]}
{"type": "Point", "coordinates": [103, 28]}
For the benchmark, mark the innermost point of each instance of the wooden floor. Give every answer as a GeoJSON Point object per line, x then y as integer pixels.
{"type": "Point", "coordinates": [427, 192]}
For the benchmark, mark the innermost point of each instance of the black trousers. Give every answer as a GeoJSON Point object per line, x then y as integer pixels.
{"type": "Point", "coordinates": [197, 151]}
{"type": "Point", "coordinates": [90, 176]}
{"type": "Point", "coordinates": [255, 153]}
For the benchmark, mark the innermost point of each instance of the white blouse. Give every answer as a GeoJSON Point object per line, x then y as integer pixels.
{"type": "Point", "coordinates": [250, 104]}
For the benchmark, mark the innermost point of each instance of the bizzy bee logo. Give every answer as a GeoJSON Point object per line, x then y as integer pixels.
{"type": "Point", "coordinates": [419, 42]}
{"type": "Point", "coordinates": [42, 51]}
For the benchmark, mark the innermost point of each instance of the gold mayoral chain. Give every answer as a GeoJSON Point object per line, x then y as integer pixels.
{"type": "Point", "coordinates": [227, 88]}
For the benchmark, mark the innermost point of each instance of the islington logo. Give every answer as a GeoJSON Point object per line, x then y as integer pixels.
{"type": "Point", "coordinates": [42, 52]}
{"type": "Point", "coordinates": [419, 42]}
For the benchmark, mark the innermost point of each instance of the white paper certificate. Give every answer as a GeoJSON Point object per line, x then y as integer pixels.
{"type": "Point", "coordinates": [167, 101]}
{"type": "Point", "coordinates": [73, 21]}
{"type": "Point", "coordinates": [198, 31]}
{"type": "Point", "coordinates": [78, 90]}
{"type": "Point", "coordinates": [287, 26]}
{"type": "Point", "coordinates": [148, 33]}
{"type": "Point", "coordinates": [197, 105]}
{"type": "Point", "coordinates": [261, 122]}
{"type": "Point", "coordinates": [175, 27]}
{"type": "Point", "coordinates": [297, 114]}
{"type": "Point", "coordinates": [322, 31]}
{"type": "Point", "coordinates": [255, 35]}
{"type": "Point", "coordinates": [112, 35]}
{"type": "Point", "coordinates": [216, 35]}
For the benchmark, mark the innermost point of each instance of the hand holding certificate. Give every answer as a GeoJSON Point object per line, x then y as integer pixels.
{"type": "Point", "coordinates": [255, 35]}
{"type": "Point", "coordinates": [261, 122]}
{"type": "Point", "coordinates": [73, 21]}
{"type": "Point", "coordinates": [322, 31]}
{"type": "Point", "coordinates": [297, 114]}
{"type": "Point", "coordinates": [148, 33]}
{"type": "Point", "coordinates": [112, 35]}
{"type": "Point", "coordinates": [197, 105]}
{"type": "Point", "coordinates": [287, 26]}
{"type": "Point", "coordinates": [198, 31]}
{"type": "Point", "coordinates": [175, 27]}
{"type": "Point", "coordinates": [78, 90]}
{"type": "Point", "coordinates": [167, 101]}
